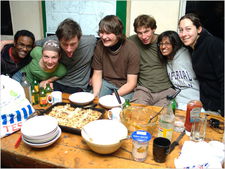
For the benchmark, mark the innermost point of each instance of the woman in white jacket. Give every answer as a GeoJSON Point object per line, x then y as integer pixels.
{"type": "Point", "coordinates": [179, 67]}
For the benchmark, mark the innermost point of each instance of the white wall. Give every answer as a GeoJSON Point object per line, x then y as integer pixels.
{"type": "Point", "coordinates": [27, 15]}
{"type": "Point", "coordinates": [165, 12]}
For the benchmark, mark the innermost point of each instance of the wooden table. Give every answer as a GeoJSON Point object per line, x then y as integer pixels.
{"type": "Point", "coordinates": [70, 151]}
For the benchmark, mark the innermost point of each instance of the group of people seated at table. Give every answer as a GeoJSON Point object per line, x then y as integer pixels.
{"type": "Point", "coordinates": [144, 68]}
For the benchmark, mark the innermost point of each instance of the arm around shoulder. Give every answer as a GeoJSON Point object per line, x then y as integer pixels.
{"type": "Point", "coordinates": [5, 42]}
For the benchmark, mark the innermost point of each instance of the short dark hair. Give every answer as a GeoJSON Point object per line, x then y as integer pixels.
{"type": "Point", "coordinates": [112, 24]}
{"type": "Point", "coordinates": [24, 33]}
{"type": "Point", "coordinates": [175, 42]}
{"type": "Point", "coordinates": [193, 17]}
{"type": "Point", "coordinates": [68, 29]}
{"type": "Point", "coordinates": [146, 21]}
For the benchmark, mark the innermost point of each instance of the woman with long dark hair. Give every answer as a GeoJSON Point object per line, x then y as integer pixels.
{"type": "Point", "coordinates": [178, 61]}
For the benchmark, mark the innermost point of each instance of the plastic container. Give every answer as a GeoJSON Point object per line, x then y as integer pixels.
{"type": "Point", "coordinates": [140, 140]}
{"type": "Point", "coordinates": [137, 118]}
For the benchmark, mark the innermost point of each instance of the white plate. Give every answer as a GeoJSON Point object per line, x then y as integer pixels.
{"type": "Point", "coordinates": [47, 137]}
{"type": "Point", "coordinates": [39, 126]}
{"type": "Point", "coordinates": [81, 98]}
{"type": "Point", "coordinates": [110, 101]}
{"type": "Point", "coordinates": [42, 145]}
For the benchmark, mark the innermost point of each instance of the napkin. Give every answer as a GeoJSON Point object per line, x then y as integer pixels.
{"type": "Point", "coordinates": [201, 155]}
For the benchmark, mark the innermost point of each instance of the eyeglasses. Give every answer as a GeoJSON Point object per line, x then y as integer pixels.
{"type": "Point", "coordinates": [166, 44]}
{"type": "Point", "coordinates": [21, 45]}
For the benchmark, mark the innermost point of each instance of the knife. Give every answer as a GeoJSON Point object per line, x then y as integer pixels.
{"type": "Point", "coordinates": [176, 142]}
{"type": "Point", "coordinates": [117, 96]}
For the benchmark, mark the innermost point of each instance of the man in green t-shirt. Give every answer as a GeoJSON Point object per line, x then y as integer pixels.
{"type": "Point", "coordinates": [153, 81]}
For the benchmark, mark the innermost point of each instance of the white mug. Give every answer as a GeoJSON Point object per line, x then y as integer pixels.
{"type": "Point", "coordinates": [114, 113]}
{"type": "Point", "coordinates": [55, 97]}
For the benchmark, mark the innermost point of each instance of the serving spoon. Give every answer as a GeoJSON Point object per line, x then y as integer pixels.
{"type": "Point", "coordinates": [156, 114]}
{"type": "Point", "coordinates": [126, 138]}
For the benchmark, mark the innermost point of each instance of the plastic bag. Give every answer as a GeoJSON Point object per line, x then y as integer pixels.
{"type": "Point", "coordinates": [201, 155]}
{"type": "Point", "coordinates": [14, 107]}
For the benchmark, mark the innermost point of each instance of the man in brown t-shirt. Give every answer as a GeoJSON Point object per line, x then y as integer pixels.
{"type": "Point", "coordinates": [116, 60]}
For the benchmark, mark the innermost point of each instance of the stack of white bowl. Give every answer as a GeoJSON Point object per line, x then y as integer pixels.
{"type": "Point", "coordinates": [40, 131]}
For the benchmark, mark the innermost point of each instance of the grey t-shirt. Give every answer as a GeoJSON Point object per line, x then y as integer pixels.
{"type": "Point", "coordinates": [79, 65]}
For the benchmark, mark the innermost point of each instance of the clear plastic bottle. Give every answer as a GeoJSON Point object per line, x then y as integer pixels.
{"type": "Point", "coordinates": [166, 122]}
{"type": "Point", "coordinates": [26, 86]}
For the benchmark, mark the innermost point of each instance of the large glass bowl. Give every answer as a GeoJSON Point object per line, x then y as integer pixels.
{"type": "Point", "coordinates": [137, 118]}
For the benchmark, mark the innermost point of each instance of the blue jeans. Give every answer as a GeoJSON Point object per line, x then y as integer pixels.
{"type": "Point", "coordinates": [108, 88]}
{"type": "Point", "coordinates": [17, 76]}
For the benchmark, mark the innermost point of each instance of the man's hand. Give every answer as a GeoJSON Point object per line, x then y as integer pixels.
{"type": "Point", "coordinates": [44, 84]}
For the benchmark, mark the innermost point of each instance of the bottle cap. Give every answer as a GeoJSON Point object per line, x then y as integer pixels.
{"type": "Point", "coordinates": [141, 136]}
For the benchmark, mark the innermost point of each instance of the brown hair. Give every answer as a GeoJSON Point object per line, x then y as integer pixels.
{"type": "Point", "coordinates": [145, 21]}
{"type": "Point", "coordinates": [193, 17]}
{"type": "Point", "coordinates": [68, 29]}
{"type": "Point", "coordinates": [112, 24]}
